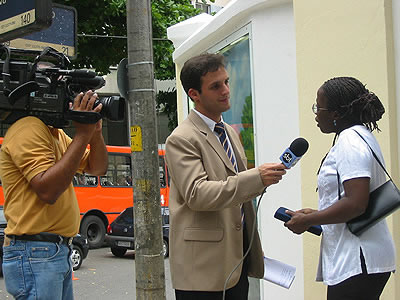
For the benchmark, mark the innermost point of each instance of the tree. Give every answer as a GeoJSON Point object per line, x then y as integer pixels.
{"type": "Point", "coordinates": [166, 102]}
{"type": "Point", "coordinates": [102, 33]}
{"type": "Point", "coordinates": [102, 39]}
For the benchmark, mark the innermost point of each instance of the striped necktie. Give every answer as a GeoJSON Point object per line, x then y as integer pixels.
{"type": "Point", "coordinates": [219, 128]}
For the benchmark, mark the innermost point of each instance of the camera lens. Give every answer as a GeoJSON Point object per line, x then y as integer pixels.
{"type": "Point", "coordinates": [113, 107]}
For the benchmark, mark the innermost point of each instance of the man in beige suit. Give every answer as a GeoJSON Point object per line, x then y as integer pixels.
{"type": "Point", "coordinates": [210, 191]}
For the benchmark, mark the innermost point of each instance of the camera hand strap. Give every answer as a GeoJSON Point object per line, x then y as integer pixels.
{"type": "Point", "coordinates": [85, 117]}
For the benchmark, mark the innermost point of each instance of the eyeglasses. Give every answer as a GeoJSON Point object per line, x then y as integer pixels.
{"type": "Point", "coordinates": [316, 109]}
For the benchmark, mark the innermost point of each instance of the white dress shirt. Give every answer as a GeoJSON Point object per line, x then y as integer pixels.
{"type": "Point", "coordinates": [211, 124]}
{"type": "Point", "coordinates": [340, 249]}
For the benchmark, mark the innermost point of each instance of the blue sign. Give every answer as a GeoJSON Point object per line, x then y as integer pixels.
{"type": "Point", "coordinates": [10, 9]}
{"type": "Point", "coordinates": [61, 35]}
{"type": "Point", "coordinates": [61, 31]}
{"type": "Point", "coordinates": [21, 17]}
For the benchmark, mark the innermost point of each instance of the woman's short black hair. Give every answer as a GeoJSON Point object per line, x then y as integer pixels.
{"type": "Point", "coordinates": [198, 66]}
{"type": "Point", "coordinates": [353, 101]}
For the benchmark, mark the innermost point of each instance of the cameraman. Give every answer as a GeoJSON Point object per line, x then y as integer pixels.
{"type": "Point", "coordinates": [37, 165]}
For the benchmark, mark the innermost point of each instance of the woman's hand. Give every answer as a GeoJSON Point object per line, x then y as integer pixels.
{"type": "Point", "coordinates": [299, 221]}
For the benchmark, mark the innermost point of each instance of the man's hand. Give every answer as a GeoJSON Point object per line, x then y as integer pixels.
{"type": "Point", "coordinates": [271, 173]}
{"type": "Point", "coordinates": [98, 154]}
{"type": "Point", "coordinates": [85, 102]}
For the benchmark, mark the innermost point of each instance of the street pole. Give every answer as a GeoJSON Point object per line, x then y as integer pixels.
{"type": "Point", "coordinates": [149, 260]}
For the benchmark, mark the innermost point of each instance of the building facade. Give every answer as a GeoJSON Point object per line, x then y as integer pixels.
{"type": "Point", "coordinates": [279, 52]}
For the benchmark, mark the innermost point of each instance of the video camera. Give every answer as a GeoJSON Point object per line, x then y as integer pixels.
{"type": "Point", "coordinates": [45, 89]}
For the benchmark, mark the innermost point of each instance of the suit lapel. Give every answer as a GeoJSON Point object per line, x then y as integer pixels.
{"type": "Point", "coordinates": [211, 139]}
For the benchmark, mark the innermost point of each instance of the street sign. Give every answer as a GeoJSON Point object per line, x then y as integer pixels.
{"type": "Point", "coordinates": [21, 17]}
{"type": "Point", "coordinates": [122, 78]}
{"type": "Point", "coordinates": [61, 35]}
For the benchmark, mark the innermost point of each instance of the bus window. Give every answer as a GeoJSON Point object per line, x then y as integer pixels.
{"type": "Point", "coordinates": [118, 172]}
{"type": "Point", "coordinates": [161, 167]}
{"type": "Point", "coordinates": [84, 180]}
{"type": "Point", "coordinates": [108, 179]}
{"type": "Point", "coordinates": [124, 177]}
{"type": "Point", "coordinates": [162, 178]}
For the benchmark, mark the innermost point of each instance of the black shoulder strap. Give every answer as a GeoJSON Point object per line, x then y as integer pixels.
{"type": "Point", "coordinates": [373, 153]}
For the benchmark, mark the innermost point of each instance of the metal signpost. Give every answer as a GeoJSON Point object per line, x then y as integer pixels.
{"type": "Point", "coordinates": [149, 260]}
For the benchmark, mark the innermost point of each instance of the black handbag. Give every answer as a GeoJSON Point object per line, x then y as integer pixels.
{"type": "Point", "coordinates": [382, 202]}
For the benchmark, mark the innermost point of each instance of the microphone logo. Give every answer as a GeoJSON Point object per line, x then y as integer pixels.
{"type": "Point", "coordinates": [287, 157]}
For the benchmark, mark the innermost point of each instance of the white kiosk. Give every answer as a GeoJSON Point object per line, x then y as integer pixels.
{"type": "Point", "coordinates": [257, 37]}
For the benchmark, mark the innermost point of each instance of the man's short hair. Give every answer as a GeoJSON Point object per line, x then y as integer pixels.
{"type": "Point", "coordinates": [198, 66]}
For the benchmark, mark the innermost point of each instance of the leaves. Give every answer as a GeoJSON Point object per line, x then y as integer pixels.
{"type": "Point", "coordinates": [166, 102]}
{"type": "Point", "coordinates": [108, 18]}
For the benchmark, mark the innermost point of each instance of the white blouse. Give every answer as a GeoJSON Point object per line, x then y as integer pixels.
{"type": "Point", "coordinates": [340, 249]}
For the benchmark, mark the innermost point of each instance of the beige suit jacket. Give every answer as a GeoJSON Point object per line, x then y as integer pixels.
{"type": "Point", "coordinates": [206, 232]}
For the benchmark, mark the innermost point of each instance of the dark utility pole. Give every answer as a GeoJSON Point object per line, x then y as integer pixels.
{"type": "Point", "coordinates": [149, 260]}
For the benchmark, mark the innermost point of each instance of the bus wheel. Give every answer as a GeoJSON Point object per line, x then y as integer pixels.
{"type": "Point", "coordinates": [93, 228]}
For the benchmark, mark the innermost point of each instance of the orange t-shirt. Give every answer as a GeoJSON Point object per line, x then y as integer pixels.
{"type": "Point", "coordinates": [29, 148]}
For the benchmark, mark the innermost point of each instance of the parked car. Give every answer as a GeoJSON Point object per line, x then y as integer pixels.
{"type": "Point", "coordinates": [80, 246]}
{"type": "Point", "coordinates": [120, 233]}
{"type": "Point", "coordinates": [80, 250]}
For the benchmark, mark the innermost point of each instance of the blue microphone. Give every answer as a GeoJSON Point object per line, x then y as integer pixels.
{"type": "Point", "coordinates": [295, 151]}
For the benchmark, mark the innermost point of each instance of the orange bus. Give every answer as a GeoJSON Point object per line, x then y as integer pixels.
{"type": "Point", "coordinates": [102, 198]}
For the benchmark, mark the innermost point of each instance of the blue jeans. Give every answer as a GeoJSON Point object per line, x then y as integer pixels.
{"type": "Point", "coordinates": [38, 270]}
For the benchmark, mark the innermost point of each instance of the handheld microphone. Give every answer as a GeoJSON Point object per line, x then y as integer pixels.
{"type": "Point", "coordinates": [295, 151]}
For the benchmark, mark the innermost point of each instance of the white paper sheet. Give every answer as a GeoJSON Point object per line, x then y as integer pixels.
{"type": "Point", "coordinates": [278, 272]}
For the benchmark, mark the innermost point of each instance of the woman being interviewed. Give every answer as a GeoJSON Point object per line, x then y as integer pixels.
{"type": "Point", "coordinates": [353, 267]}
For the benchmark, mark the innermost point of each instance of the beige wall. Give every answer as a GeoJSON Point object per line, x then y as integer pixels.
{"type": "Point", "coordinates": [343, 38]}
